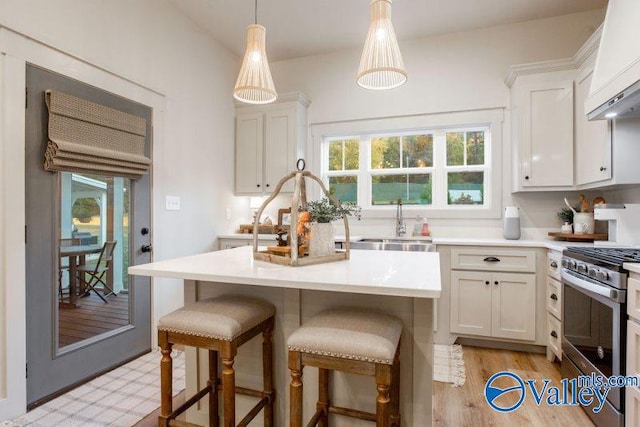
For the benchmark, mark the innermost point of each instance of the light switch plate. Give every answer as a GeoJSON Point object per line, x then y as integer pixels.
{"type": "Point", "coordinates": [227, 213]}
{"type": "Point", "coordinates": [172, 203]}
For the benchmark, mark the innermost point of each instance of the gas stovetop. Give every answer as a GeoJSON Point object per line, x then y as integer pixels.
{"type": "Point", "coordinates": [611, 258]}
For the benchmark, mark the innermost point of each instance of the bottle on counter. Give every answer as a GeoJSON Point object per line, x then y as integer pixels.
{"type": "Point", "coordinates": [424, 231]}
{"type": "Point", "coordinates": [417, 226]}
{"type": "Point", "coordinates": [511, 226]}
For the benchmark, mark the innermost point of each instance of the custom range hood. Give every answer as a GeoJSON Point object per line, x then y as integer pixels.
{"type": "Point", "coordinates": [615, 87]}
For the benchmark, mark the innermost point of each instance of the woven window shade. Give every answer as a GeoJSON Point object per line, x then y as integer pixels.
{"type": "Point", "coordinates": [91, 138]}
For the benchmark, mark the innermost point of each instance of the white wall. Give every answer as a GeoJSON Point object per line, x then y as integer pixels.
{"type": "Point", "coordinates": [143, 45]}
{"type": "Point", "coordinates": [453, 72]}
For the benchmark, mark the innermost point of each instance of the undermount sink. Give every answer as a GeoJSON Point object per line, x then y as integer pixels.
{"type": "Point", "coordinates": [393, 244]}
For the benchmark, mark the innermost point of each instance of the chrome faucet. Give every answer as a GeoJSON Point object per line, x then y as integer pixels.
{"type": "Point", "coordinates": [401, 228]}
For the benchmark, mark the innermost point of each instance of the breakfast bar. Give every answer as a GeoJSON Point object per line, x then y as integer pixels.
{"type": "Point", "coordinates": [403, 284]}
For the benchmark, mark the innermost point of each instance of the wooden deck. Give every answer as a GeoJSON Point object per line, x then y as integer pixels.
{"type": "Point", "coordinates": [92, 318]}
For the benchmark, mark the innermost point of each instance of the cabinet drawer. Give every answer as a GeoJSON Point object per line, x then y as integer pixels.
{"type": "Point", "coordinates": [554, 337]}
{"type": "Point", "coordinates": [493, 260]}
{"type": "Point", "coordinates": [632, 407]}
{"type": "Point", "coordinates": [554, 260]}
{"type": "Point", "coordinates": [633, 298]}
{"type": "Point", "coordinates": [554, 297]}
{"type": "Point", "coordinates": [633, 348]}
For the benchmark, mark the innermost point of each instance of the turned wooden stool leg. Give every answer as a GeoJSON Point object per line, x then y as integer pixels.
{"type": "Point", "coordinates": [395, 391]}
{"type": "Point", "coordinates": [295, 390]}
{"type": "Point", "coordinates": [166, 378]}
{"type": "Point", "coordinates": [383, 381]}
{"type": "Point", "coordinates": [267, 373]}
{"type": "Point", "coordinates": [323, 397]}
{"type": "Point", "coordinates": [229, 392]}
{"type": "Point", "coordinates": [214, 417]}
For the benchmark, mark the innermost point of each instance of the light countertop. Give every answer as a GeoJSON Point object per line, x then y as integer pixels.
{"type": "Point", "coordinates": [633, 267]}
{"type": "Point", "coordinates": [557, 245]}
{"type": "Point", "coordinates": [249, 236]}
{"type": "Point", "coordinates": [367, 272]}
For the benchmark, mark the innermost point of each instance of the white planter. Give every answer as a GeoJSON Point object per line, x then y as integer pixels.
{"type": "Point", "coordinates": [583, 223]}
{"type": "Point", "coordinates": [322, 239]}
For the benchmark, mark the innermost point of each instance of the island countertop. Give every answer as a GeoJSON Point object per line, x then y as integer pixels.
{"type": "Point", "coordinates": [405, 274]}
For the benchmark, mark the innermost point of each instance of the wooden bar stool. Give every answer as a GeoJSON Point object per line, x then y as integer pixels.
{"type": "Point", "coordinates": [355, 341]}
{"type": "Point", "coordinates": [220, 325]}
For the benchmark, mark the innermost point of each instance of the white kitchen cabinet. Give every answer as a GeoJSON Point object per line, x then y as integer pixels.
{"type": "Point", "coordinates": [554, 306]}
{"type": "Point", "coordinates": [230, 243]}
{"type": "Point", "coordinates": [269, 140]}
{"type": "Point", "coordinates": [542, 131]}
{"type": "Point", "coordinates": [632, 399]}
{"type": "Point", "coordinates": [493, 304]}
{"type": "Point", "coordinates": [593, 138]}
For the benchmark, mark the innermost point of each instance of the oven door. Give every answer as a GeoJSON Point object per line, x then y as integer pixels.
{"type": "Point", "coordinates": [593, 329]}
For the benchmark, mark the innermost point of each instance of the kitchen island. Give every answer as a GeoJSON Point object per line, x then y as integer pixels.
{"type": "Point", "coordinates": [401, 283]}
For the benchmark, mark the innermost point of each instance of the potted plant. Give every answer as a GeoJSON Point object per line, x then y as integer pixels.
{"type": "Point", "coordinates": [321, 214]}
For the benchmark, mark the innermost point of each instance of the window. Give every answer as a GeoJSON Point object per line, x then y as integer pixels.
{"type": "Point", "coordinates": [442, 168]}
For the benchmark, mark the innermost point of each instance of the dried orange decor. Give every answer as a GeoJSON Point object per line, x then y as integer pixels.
{"type": "Point", "coordinates": [296, 254]}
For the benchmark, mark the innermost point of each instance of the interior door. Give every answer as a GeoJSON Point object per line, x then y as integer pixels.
{"type": "Point", "coordinates": [72, 336]}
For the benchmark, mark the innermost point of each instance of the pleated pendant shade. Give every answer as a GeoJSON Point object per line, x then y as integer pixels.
{"type": "Point", "coordinates": [254, 84]}
{"type": "Point", "coordinates": [381, 65]}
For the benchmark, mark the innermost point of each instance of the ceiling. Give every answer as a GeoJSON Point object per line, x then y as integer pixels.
{"type": "Point", "coordinates": [298, 28]}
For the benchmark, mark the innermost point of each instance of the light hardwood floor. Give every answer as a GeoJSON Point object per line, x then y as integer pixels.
{"type": "Point", "coordinates": [466, 406]}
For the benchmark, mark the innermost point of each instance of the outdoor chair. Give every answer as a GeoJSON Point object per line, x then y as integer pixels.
{"type": "Point", "coordinates": [97, 274]}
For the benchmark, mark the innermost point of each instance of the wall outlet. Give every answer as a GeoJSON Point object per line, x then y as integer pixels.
{"type": "Point", "coordinates": [172, 203]}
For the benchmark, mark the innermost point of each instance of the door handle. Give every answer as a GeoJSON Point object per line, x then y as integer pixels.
{"type": "Point", "coordinates": [146, 248]}
{"type": "Point", "coordinates": [491, 259]}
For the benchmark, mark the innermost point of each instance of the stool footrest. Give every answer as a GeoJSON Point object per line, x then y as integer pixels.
{"type": "Point", "coordinates": [353, 413]}
{"type": "Point", "coordinates": [253, 412]}
{"type": "Point", "coordinates": [313, 422]}
{"type": "Point", "coordinates": [190, 402]}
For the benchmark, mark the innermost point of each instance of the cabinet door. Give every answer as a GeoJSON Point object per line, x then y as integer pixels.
{"type": "Point", "coordinates": [249, 145]}
{"type": "Point", "coordinates": [279, 148]}
{"type": "Point", "coordinates": [514, 306]}
{"type": "Point", "coordinates": [547, 135]}
{"type": "Point", "coordinates": [632, 407]}
{"type": "Point", "coordinates": [593, 139]}
{"type": "Point", "coordinates": [471, 303]}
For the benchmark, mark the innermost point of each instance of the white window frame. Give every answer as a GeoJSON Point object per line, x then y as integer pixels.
{"type": "Point", "coordinates": [490, 120]}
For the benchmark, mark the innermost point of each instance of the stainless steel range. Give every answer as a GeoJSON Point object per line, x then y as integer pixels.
{"type": "Point", "coordinates": [594, 320]}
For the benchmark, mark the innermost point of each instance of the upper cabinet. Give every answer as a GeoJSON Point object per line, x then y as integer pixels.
{"type": "Point", "coordinates": [542, 130]}
{"type": "Point", "coordinates": [593, 138]}
{"type": "Point", "coordinates": [269, 140]}
{"type": "Point", "coordinates": [555, 147]}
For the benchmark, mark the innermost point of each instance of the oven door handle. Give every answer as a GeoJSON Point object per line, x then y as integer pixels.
{"type": "Point", "coordinates": [576, 282]}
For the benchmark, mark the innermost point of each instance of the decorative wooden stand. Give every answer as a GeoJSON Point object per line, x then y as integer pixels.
{"type": "Point", "coordinates": [293, 255]}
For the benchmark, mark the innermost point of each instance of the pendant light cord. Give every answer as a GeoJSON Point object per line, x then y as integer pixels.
{"type": "Point", "coordinates": [256, 12]}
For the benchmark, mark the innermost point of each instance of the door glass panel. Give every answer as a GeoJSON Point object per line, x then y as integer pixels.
{"type": "Point", "coordinates": [92, 282]}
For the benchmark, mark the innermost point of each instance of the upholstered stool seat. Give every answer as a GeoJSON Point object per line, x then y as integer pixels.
{"type": "Point", "coordinates": [349, 340]}
{"type": "Point", "coordinates": [220, 325]}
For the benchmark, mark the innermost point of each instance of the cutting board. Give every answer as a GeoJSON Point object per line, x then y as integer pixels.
{"type": "Point", "coordinates": [570, 237]}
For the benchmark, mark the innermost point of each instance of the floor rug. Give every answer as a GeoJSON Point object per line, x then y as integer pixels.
{"type": "Point", "coordinates": [448, 364]}
{"type": "Point", "coordinates": [120, 398]}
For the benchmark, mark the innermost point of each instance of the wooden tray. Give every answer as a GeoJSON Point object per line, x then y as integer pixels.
{"type": "Point", "coordinates": [570, 237]}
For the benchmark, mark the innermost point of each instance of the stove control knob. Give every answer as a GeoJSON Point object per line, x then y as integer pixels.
{"type": "Point", "coordinates": [582, 268]}
{"type": "Point", "coordinates": [572, 265]}
{"type": "Point", "coordinates": [565, 263]}
{"type": "Point", "coordinates": [593, 272]}
{"type": "Point", "coordinates": [602, 275]}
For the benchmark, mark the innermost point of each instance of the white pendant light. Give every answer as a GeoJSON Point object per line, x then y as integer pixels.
{"type": "Point", "coordinates": [381, 65]}
{"type": "Point", "coordinates": [254, 84]}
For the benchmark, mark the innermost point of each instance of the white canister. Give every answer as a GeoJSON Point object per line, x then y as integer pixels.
{"type": "Point", "coordinates": [511, 226]}
{"type": "Point", "coordinates": [583, 223]}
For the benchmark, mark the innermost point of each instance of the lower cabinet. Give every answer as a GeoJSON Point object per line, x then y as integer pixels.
{"type": "Point", "coordinates": [230, 243]}
{"type": "Point", "coordinates": [490, 304]}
